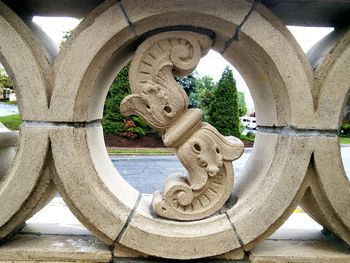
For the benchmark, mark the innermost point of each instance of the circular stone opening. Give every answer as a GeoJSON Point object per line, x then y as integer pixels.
{"type": "Point", "coordinates": [147, 169]}
{"type": "Point", "coordinates": [275, 87]}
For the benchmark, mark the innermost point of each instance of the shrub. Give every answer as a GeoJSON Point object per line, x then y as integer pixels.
{"type": "Point", "coordinates": [113, 121]}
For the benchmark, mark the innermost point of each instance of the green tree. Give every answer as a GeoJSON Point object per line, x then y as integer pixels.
{"type": "Point", "coordinates": [189, 85]}
{"type": "Point", "coordinates": [223, 110]}
{"type": "Point", "coordinates": [113, 121]}
{"type": "Point", "coordinates": [242, 106]}
{"type": "Point", "coordinates": [205, 93]}
{"type": "Point", "coordinates": [5, 81]}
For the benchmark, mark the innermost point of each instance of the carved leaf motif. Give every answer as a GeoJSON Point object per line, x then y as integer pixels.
{"type": "Point", "coordinates": [203, 151]}
{"type": "Point", "coordinates": [207, 156]}
{"type": "Point", "coordinates": [156, 94]}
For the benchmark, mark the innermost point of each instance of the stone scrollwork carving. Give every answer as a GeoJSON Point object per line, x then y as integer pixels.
{"type": "Point", "coordinates": [208, 157]}
{"type": "Point", "coordinates": [203, 151]}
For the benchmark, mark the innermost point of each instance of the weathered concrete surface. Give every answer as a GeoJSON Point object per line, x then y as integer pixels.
{"type": "Point", "coordinates": [52, 248]}
{"type": "Point", "coordinates": [328, 197]}
{"type": "Point", "coordinates": [162, 102]}
{"type": "Point", "coordinates": [284, 246]}
{"type": "Point", "coordinates": [27, 186]}
{"type": "Point", "coordinates": [97, 195]}
{"type": "Point", "coordinates": [291, 12]}
{"type": "Point", "coordinates": [287, 251]}
{"type": "Point", "coordinates": [330, 59]}
{"type": "Point", "coordinates": [159, 237]}
{"type": "Point", "coordinates": [270, 187]}
{"type": "Point", "coordinates": [29, 66]}
{"type": "Point", "coordinates": [67, 136]}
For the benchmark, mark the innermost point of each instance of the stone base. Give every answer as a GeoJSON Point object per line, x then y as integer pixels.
{"type": "Point", "coordinates": [285, 245]}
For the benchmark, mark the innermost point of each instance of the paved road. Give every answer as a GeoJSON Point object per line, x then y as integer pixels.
{"type": "Point", "coordinates": [147, 173]}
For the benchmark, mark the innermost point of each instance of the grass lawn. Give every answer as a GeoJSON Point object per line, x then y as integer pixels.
{"type": "Point", "coordinates": [247, 138]}
{"type": "Point", "coordinates": [12, 121]}
{"type": "Point", "coordinates": [139, 152]}
{"type": "Point", "coordinates": [344, 140]}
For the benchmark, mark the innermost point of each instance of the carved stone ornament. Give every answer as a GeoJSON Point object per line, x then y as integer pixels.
{"type": "Point", "coordinates": [162, 102]}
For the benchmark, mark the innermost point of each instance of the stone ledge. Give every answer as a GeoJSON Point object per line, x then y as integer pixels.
{"type": "Point", "coordinates": [54, 248]}
{"type": "Point", "coordinates": [284, 246]}
{"type": "Point", "coordinates": [299, 251]}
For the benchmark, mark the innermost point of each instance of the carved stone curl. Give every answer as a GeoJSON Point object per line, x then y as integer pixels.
{"type": "Point", "coordinates": [203, 151]}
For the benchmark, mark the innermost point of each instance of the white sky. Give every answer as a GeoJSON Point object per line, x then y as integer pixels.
{"type": "Point", "coordinates": [212, 64]}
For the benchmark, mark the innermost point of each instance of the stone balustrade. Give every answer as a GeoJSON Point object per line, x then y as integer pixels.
{"type": "Point", "coordinates": [296, 159]}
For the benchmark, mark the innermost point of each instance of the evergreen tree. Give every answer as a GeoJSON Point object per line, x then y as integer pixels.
{"type": "Point", "coordinates": [205, 93]}
{"type": "Point", "coordinates": [113, 121]}
{"type": "Point", "coordinates": [189, 85]}
{"type": "Point", "coordinates": [242, 106]}
{"type": "Point", "coordinates": [223, 110]}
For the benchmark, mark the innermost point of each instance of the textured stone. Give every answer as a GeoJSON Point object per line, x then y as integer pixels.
{"type": "Point", "coordinates": [277, 176]}
{"type": "Point", "coordinates": [173, 239]}
{"type": "Point", "coordinates": [220, 17]}
{"type": "Point", "coordinates": [162, 102]}
{"type": "Point", "coordinates": [27, 185]}
{"type": "Point", "coordinates": [276, 70]}
{"type": "Point", "coordinates": [28, 66]}
{"type": "Point", "coordinates": [299, 251]}
{"type": "Point", "coordinates": [121, 251]}
{"type": "Point", "coordinates": [328, 198]}
{"type": "Point", "coordinates": [80, 96]}
{"type": "Point", "coordinates": [273, 82]}
{"type": "Point", "coordinates": [330, 59]}
{"type": "Point", "coordinates": [270, 187]}
{"type": "Point", "coordinates": [33, 248]}
{"type": "Point", "coordinates": [97, 195]}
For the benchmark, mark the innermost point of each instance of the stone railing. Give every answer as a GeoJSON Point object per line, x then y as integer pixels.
{"type": "Point", "coordinates": [296, 159]}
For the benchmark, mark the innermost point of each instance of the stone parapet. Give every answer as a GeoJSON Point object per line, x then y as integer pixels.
{"type": "Point", "coordinates": [299, 98]}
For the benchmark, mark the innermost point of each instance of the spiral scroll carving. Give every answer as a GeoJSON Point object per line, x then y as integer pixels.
{"type": "Point", "coordinates": [203, 151]}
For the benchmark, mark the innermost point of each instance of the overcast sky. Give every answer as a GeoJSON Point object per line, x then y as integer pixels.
{"type": "Point", "coordinates": [212, 64]}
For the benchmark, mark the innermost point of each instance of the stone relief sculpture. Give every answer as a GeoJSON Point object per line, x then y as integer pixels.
{"type": "Point", "coordinates": [203, 151]}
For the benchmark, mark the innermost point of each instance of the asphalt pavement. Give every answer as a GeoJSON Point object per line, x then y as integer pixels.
{"type": "Point", "coordinates": [147, 173]}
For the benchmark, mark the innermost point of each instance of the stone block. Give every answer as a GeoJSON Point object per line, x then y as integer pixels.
{"type": "Point", "coordinates": [26, 60]}
{"type": "Point", "coordinates": [27, 186]}
{"type": "Point", "coordinates": [181, 240]}
{"type": "Point", "coordinates": [330, 59]}
{"type": "Point", "coordinates": [95, 53]}
{"type": "Point", "coordinates": [328, 198]}
{"type": "Point", "coordinates": [221, 17]}
{"type": "Point", "coordinates": [48, 248]}
{"type": "Point", "coordinates": [270, 187]}
{"type": "Point", "coordinates": [298, 251]}
{"type": "Point", "coordinates": [88, 182]}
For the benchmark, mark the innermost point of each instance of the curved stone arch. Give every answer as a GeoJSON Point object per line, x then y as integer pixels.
{"type": "Point", "coordinates": [123, 214]}
{"type": "Point", "coordinates": [116, 43]}
{"type": "Point", "coordinates": [328, 199]}
{"type": "Point", "coordinates": [26, 187]}
{"type": "Point", "coordinates": [29, 66]}
{"type": "Point", "coordinates": [330, 59]}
